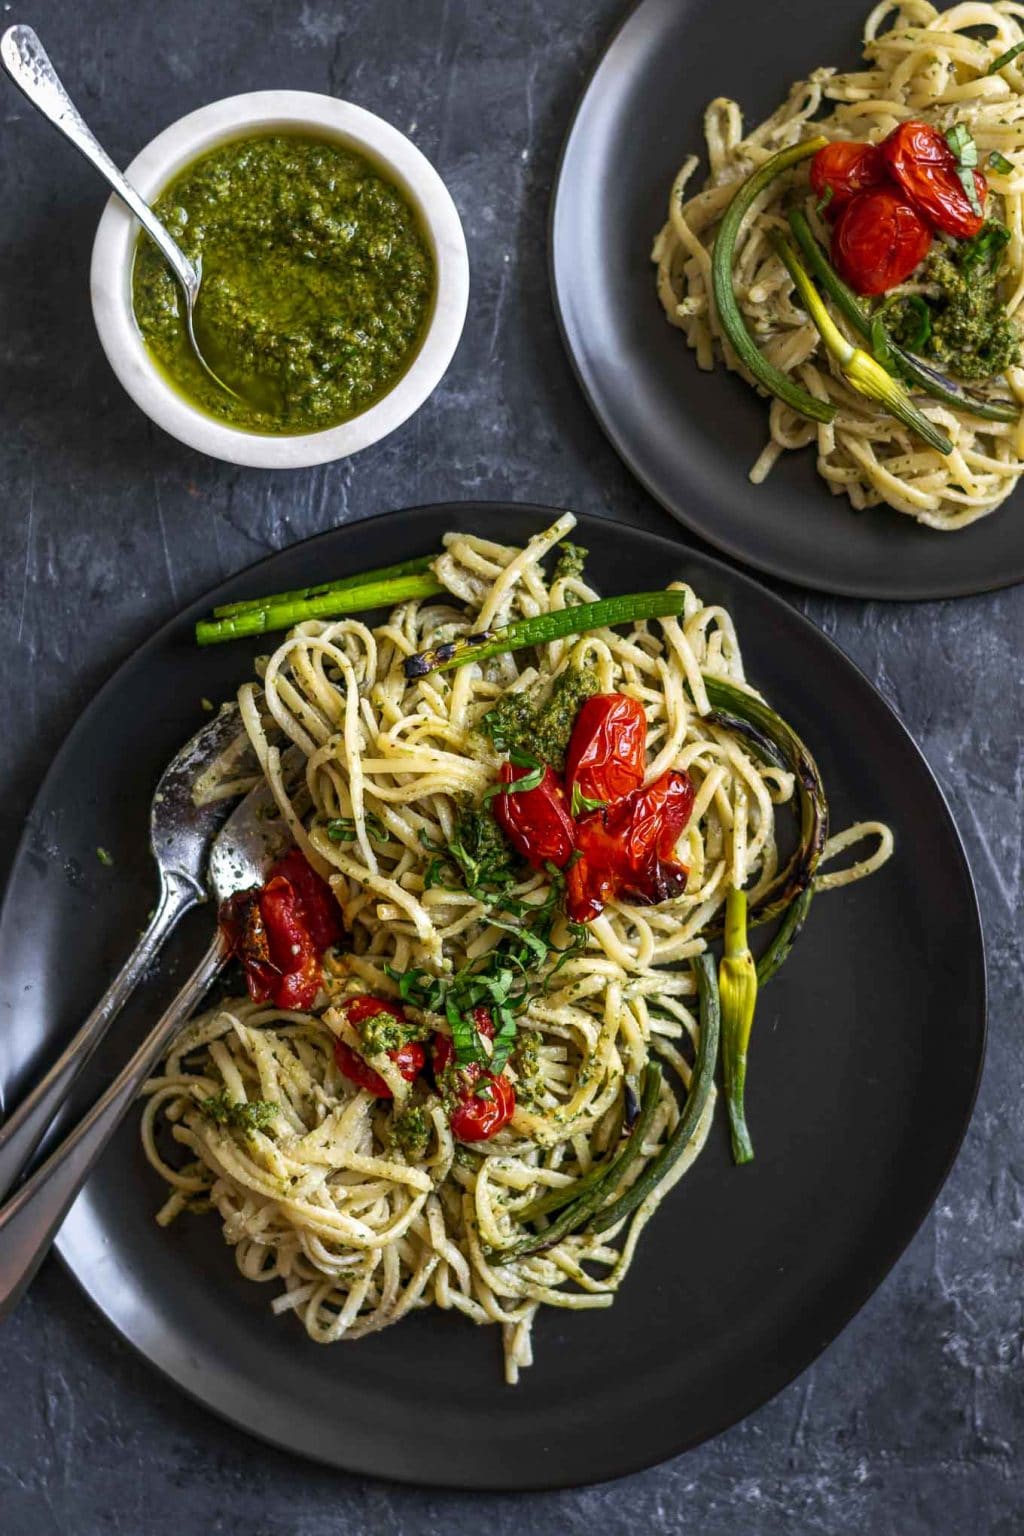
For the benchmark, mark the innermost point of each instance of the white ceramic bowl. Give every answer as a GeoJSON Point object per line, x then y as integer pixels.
{"type": "Point", "coordinates": [175, 148]}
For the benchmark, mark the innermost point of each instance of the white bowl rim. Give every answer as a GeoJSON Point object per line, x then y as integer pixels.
{"type": "Point", "coordinates": [183, 142]}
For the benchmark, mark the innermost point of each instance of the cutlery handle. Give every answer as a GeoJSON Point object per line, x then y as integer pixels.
{"type": "Point", "coordinates": [30, 1219]}
{"type": "Point", "coordinates": [28, 64]}
{"type": "Point", "coordinates": [22, 1131]}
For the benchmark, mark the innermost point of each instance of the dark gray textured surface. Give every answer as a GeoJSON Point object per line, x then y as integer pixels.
{"type": "Point", "coordinates": [911, 1422]}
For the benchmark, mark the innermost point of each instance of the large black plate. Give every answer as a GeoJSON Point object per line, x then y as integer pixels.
{"type": "Point", "coordinates": [865, 1062]}
{"type": "Point", "coordinates": [689, 436]}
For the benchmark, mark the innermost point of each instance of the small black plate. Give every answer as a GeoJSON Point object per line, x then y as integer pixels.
{"type": "Point", "coordinates": [689, 436]}
{"type": "Point", "coordinates": [867, 1051]}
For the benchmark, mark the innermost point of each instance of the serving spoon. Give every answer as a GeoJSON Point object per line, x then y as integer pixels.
{"type": "Point", "coordinates": [250, 840]}
{"type": "Point", "coordinates": [28, 64]}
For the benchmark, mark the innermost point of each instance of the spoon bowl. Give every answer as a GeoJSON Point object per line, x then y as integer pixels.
{"type": "Point", "coordinates": [28, 64]}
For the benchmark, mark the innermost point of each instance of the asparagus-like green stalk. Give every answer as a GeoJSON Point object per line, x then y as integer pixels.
{"type": "Point", "coordinates": [331, 605]}
{"type": "Point", "coordinates": [786, 936]}
{"type": "Point", "coordinates": [767, 375]}
{"type": "Point", "coordinates": [737, 986]}
{"type": "Point", "coordinates": [927, 379]}
{"type": "Point", "coordinates": [545, 627]}
{"type": "Point", "coordinates": [342, 584]}
{"type": "Point", "coordinates": [701, 1083]}
{"type": "Point", "coordinates": [772, 740]}
{"type": "Point", "coordinates": [860, 369]}
{"type": "Point", "coordinates": [579, 1212]}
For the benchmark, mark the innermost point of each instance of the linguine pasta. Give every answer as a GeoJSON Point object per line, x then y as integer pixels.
{"type": "Point", "coordinates": [919, 63]}
{"type": "Point", "coordinates": [319, 1194]}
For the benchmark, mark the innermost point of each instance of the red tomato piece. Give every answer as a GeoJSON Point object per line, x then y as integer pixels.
{"type": "Point", "coordinates": [477, 1119]}
{"type": "Point", "coordinates": [245, 932]}
{"type": "Point", "coordinates": [357, 1009]}
{"type": "Point", "coordinates": [409, 1059]}
{"type": "Point", "coordinates": [627, 849]}
{"type": "Point", "coordinates": [878, 240]}
{"type": "Point", "coordinates": [474, 1118]}
{"type": "Point", "coordinates": [925, 168]}
{"type": "Point", "coordinates": [323, 918]}
{"type": "Point", "coordinates": [281, 931]}
{"type": "Point", "coordinates": [535, 821]}
{"type": "Point", "coordinates": [292, 952]}
{"type": "Point", "coordinates": [607, 750]}
{"type": "Point", "coordinates": [840, 170]}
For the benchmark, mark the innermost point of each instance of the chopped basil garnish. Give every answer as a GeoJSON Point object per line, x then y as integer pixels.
{"type": "Point", "coordinates": [966, 151]}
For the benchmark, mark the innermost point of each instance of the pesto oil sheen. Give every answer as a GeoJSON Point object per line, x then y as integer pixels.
{"type": "Point", "coordinates": [317, 283]}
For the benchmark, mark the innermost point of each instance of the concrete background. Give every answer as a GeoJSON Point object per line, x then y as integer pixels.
{"type": "Point", "coordinates": [909, 1424]}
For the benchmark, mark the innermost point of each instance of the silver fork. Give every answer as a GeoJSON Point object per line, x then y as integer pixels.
{"type": "Point", "coordinates": [250, 840]}
{"type": "Point", "coordinates": [180, 833]}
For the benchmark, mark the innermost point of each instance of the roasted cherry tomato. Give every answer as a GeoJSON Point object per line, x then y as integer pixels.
{"type": "Point", "coordinates": [410, 1059]}
{"type": "Point", "coordinates": [607, 751]}
{"type": "Point", "coordinates": [627, 849]}
{"type": "Point", "coordinates": [474, 1118]}
{"type": "Point", "coordinates": [878, 240]}
{"type": "Point", "coordinates": [925, 168]}
{"type": "Point", "coordinates": [477, 1119]}
{"type": "Point", "coordinates": [323, 918]}
{"type": "Point", "coordinates": [292, 952]}
{"type": "Point", "coordinates": [280, 932]}
{"type": "Point", "coordinates": [535, 821]}
{"type": "Point", "coordinates": [841, 170]}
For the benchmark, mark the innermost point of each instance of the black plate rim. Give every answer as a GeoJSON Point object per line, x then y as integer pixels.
{"type": "Point", "coordinates": [908, 592]}
{"type": "Point", "coordinates": [872, 1274]}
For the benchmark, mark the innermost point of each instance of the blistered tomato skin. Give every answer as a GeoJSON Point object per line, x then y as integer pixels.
{"type": "Point", "coordinates": [280, 932]}
{"type": "Point", "coordinates": [840, 170]}
{"type": "Point", "coordinates": [878, 240]}
{"type": "Point", "coordinates": [925, 168]}
{"type": "Point", "coordinates": [607, 750]}
{"type": "Point", "coordinates": [316, 899]}
{"type": "Point", "coordinates": [627, 850]}
{"type": "Point", "coordinates": [292, 952]}
{"type": "Point", "coordinates": [476, 1119]}
{"type": "Point", "coordinates": [535, 821]}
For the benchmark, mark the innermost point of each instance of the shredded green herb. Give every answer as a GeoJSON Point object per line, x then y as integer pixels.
{"type": "Point", "coordinates": [105, 858]}
{"type": "Point", "coordinates": [966, 151]}
{"type": "Point", "coordinates": [478, 852]}
{"type": "Point", "coordinates": [503, 982]}
{"type": "Point", "coordinates": [529, 780]}
{"type": "Point", "coordinates": [998, 162]}
{"type": "Point", "coordinates": [342, 829]}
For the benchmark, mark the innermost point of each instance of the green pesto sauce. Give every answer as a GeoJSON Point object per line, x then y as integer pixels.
{"type": "Point", "coordinates": [253, 1115]}
{"type": "Point", "coordinates": [971, 335]}
{"type": "Point", "coordinates": [480, 850]}
{"type": "Point", "coordinates": [410, 1132]}
{"type": "Point", "coordinates": [542, 730]}
{"type": "Point", "coordinates": [317, 283]}
{"type": "Point", "coordinates": [383, 1032]}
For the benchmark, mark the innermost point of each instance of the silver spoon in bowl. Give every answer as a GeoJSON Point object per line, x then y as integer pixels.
{"type": "Point", "coordinates": [28, 64]}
